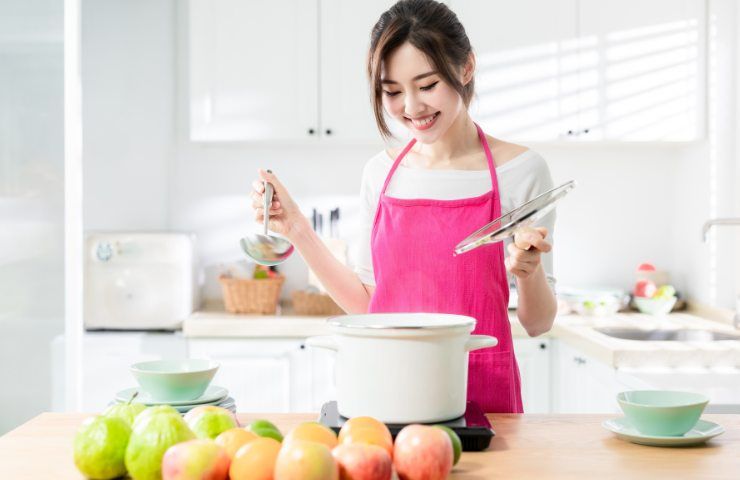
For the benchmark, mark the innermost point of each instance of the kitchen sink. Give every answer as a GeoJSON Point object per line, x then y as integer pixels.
{"type": "Point", "coordinates": [675, 335]}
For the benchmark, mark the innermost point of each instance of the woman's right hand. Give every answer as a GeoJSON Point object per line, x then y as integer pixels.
{"type": "Point", "coordinates": [285, 216]}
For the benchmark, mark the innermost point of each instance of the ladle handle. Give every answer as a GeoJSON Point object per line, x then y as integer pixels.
{"type": "Point", "coordinates": [267, 201]}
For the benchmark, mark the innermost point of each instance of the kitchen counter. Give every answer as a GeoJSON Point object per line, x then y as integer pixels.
{"type": "Point", "coordinates": [525, 447]}
{"type": "Point", "coordinates": [576, 330]}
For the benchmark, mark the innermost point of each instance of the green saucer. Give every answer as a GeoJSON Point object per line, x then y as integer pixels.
{"type": "Point", "coordinates": [702, 431]}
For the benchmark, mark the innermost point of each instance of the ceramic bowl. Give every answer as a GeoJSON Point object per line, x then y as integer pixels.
{"type": "Point", "coordinates": [662, 412]}
{"type": "Point", "coordinates": [654, 306]}
{"type": "Point", "coordinates": [174, 380]}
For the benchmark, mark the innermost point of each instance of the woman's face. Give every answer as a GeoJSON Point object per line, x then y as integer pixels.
{"type": "Point", "coordinates": [416, 95]}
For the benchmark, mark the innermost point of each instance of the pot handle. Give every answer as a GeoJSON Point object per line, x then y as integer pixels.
{"type": "Point", "coordinates": [476, 342]}
{"type": "Point", "coordinates": [323, 341]}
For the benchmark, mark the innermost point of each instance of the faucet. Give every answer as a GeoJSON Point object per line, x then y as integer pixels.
{"type": "Point", "coordinates": [724, 221]}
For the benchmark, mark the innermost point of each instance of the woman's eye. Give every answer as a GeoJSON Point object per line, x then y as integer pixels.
{"type": "Point", "coordinates": [429, 87]}
{"type": "Point", "coordinates": [390, 94]}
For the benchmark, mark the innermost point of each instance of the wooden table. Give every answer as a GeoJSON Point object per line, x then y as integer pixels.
{"type": "Point", "coordinates": [525, 447]}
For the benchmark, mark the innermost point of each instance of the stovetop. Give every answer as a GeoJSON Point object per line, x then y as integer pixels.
{"type": "Point", "coordinates": [473, 427]}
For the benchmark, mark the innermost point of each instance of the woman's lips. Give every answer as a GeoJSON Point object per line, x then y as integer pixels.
{"type": "Point", "coordinates": [424, 123]}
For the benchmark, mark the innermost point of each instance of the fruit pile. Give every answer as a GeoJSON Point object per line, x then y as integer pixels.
{"type": "Point", "coordinates": [645, 287]}
{"type": "Point", "coordinates": [208, 443]}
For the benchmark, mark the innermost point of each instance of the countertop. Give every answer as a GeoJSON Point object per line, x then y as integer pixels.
{"type": "Point", "coordinates": [525, 447]}
{"type": "Point", "coordinates": [576, 330]}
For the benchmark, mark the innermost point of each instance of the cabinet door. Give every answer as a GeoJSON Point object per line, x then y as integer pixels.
{"type": "Point", "coordinates": [266, 375]}
{"type": "Point", "coordinates": [641, 76]}
{"type": "Point", "coordinates": [526, 64]}
{"type": "Point", "coordinates": [533, 357]}
{"type": "Point", "coordinates": [253, 70]}
{"type": "Point", "coordinates": [107, 357]}
{"type": "Point", "coordinates": [346, 113]}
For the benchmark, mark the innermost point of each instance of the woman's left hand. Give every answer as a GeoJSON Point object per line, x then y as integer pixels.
{"type": "Point", "coordinates": [525, 250]}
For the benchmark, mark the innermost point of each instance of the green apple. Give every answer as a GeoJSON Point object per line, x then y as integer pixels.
{"type": "Point", "coordinates": [155, 430]}
{"type": "Point", "coordinates": [456, 443]}
{"type": "Point", "coordinates": [265, 428]}
{"type": "Point", "coordinates": [100, 447]}
{"type": "Point", "coordinates": [125, 411]}
{"type": "Point", "coordinates": [208, 421]}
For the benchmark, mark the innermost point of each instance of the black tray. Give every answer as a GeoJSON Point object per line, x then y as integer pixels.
{"type": "Point", "coordinates": [473, 427]}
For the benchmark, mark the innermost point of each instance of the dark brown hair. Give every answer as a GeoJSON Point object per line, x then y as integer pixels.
{"type": "Point", "coordinates": [431, 27]}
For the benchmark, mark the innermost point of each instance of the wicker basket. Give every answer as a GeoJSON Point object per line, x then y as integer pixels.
{"type": "Point", "coordinates": [245, 295]}
{"type": "Point", "coordinates": [307, 303]}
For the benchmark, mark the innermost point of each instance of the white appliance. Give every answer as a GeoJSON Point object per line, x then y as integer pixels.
{"type": "Point", "coordinates": [139, 281]}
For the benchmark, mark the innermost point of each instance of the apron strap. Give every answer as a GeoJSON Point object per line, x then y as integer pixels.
{"type": "Point", "coordinates": [396, 163]}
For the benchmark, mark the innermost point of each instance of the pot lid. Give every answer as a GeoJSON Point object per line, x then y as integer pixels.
{"type": "Point", "coordinates": [403, 321]}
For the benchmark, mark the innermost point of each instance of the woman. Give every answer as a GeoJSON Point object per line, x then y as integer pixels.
{"type": "Point", "coordinates": [420, 201]}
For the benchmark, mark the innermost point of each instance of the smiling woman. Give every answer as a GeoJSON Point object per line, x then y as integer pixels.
{"type": "Point", "coordinates": [419, 202]}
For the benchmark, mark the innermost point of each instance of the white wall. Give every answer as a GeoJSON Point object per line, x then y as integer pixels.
{"type": "Point", "coordinates": [634, 203]}
{"type": "Point", "coordinates": [31, 203]}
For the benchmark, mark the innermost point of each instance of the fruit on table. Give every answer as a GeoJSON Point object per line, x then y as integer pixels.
{"type": "Point", "coordinates": [255, 460]}
{"type": "Point", "coordinates": [358, 461]}
{"type": "Point", "coordinates": [423, 452]}
{"type": "Point", "coordinates": [645, 288]}
{"type": "Point", "coordinates": [313, 432]}
{"type": "Point", "coordinates": [456, 443]}
{"type": "Point", "coordinates": [100, 447]}
{"type": "Point", "coordinates": [155, 430]}
{"type": "Point", "coordinates": [125, 411]}
{"type": "Point", "coordinates": [209, 421]}
{"type": "Point", "coordinates": [197, 459]}
{"type": "Point", "coordinates": [264, 428]}
{"type": "Point", "coordinates": [305, 460]}
{"type": "Point", "coordinates": [233, 439]}
{"type": "Point", "coordinates": [369, 436]}
{"type": "Point", "coordinates": [357, 423]}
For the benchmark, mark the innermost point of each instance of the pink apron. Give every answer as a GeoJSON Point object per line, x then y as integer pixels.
{"type": "Point", "coordinates": [412, 242]}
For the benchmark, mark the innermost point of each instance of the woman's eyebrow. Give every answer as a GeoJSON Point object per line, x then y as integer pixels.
{"type": "Point", "coordinates": [418, 77]}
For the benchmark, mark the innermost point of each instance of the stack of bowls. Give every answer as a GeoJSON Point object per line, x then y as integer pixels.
{"type": "Point", "coordinates": [184, 384]}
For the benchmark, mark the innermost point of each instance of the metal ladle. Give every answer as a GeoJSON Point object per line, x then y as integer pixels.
{"type": "Point", "coordinates": [263, 248]}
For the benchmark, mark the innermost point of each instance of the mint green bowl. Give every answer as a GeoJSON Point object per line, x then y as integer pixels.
{"type": "Point", "coordinates": [174, 380]}
{"type": "Point", "coordinates": [662, 412]}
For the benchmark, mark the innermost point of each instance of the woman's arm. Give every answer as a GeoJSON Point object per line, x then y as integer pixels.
{"type": "Point", "coordinates": [536, 305]}
{"type": "Point", "coordinates": [342, 284]}
{"type": "Point", "coordinates": [340, 281]}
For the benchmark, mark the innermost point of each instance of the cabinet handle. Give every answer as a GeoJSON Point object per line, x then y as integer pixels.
{"type": "Point", "coordinates": [303, 347]}
{"type": "Point", "coordinates": [570, 132]}
{"type": "Point", "coordinates": [328, 131]}
{"type": "Point", "coordinates": [585, 130]}
{"type": "Point", "coordinates": [579, 360]}
{"type": "Point", "coordinates": [543, 346]}
{"type": "Point", "coordinates": [311, 131]}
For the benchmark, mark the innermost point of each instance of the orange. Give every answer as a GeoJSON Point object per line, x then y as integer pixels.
{"type": "Point", "coordinates": [313, 432]}
{"type": "Point", "coordinates": [255, 460]}
{"type": "Point", "coordinates": [233, 439]}
{"type": "Point", "coordinates": [369, 436]}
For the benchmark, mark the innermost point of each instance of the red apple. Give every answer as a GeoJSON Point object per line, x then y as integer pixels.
{"type": "Point", "coordinates": [359, 461]}
{"type": "Point", "coordinates": [645, 288]}
{"type": "Point", "coordinates": [423, 452]}
{"type": "Point", "coordinates": [195, 460]}
{"type": "Point", "coordinates": [646, 267]}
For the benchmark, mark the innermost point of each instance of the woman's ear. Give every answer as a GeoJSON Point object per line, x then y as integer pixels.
{"type": "Point", "coordinates": [469, 69]}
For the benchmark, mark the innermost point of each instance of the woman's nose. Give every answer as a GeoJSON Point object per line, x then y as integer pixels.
{"type": "Point", "coordinates": [413, 106]}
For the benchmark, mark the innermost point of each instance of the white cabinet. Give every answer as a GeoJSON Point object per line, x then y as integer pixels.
{"type": "Point", "coordinates": [106, 358]}
{"type": "Point", "coordinates": [268, 375]}
{"type": "Point", "coordinates": [534, 358]}
{"type": "Point", "coordinates": [276, 71]}
{"type": "Point", "coordinates": [588, 70]}
{"type": "Point", "coordinates": [582, 384]}
{"type": "Point", "coordinates": [253, 70]}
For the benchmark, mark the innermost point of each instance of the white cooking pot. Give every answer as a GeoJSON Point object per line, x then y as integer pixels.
{"type": "Point", "coordinates": [402, 367]}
